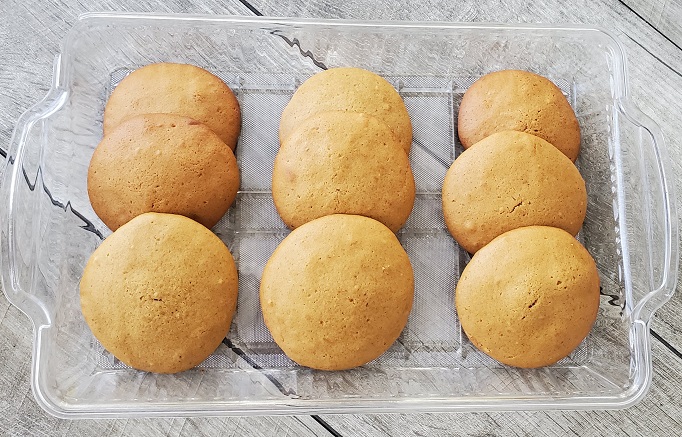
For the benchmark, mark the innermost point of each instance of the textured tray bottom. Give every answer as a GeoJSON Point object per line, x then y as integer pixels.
{"type": "Point", "coordinates": [252, 229]}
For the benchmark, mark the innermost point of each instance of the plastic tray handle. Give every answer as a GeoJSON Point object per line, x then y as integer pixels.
{"type": "Point", "coordinates": [18, 287]}
{"type": "Point", "coordinates": [664, 255]}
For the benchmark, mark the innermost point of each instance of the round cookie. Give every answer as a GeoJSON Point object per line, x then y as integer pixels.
{"type": "Point", "coordinates": [529, 297]}
{"type": "Point", "coordinates": [162, 163]}
{"type": "Point", "coordinates": [337, 292]}
{"type": "Point", "coordinates": [350, 90]}
{"type": "Point", "coordinates": [509, 180]}
{"type": "Point", "coordinates": [342, 162]}
{"type": "Point", "coordinates": [160, 293]}
{"type": "Point", "coordinates": [180, 89]}
{"type": "Point", "coordinates": [522, 101]}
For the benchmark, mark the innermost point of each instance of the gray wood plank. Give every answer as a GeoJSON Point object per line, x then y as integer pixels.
{"type": "Point", "coordinates": [664, 15]}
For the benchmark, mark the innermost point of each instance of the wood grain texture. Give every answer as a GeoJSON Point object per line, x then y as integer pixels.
{"type": "Point", "coordinates": [31, 35]}
{"type": "Point", "coordinates": [664, 15]}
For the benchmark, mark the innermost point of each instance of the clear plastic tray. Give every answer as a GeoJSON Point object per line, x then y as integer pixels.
{"type": "Point", "coordinates": [48, 229]}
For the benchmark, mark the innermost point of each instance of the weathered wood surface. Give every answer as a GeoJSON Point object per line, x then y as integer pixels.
{"type": "Point", "coordinates": [664, 15]}
{"type": "Point", "coordinates": [30, 35]}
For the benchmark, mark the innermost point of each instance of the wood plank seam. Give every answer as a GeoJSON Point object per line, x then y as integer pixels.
{"type": "Point", "coordinates": [649, 24]}
{"type": "Point", "coordinates": [326, 425]}
{"type": "Point", "coordinates": [250, 7]}
{"type": "Point", "coordinates": [663, 341]}
{"type": "Point", "coordinates": [654, 56]}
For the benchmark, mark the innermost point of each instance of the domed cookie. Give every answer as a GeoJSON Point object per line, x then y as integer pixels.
{"type": "Point", "coordinates": [342, 162]}
{"type": "Point", "coordinates": [522, 101]}
{"type": "Point", "coordinates": [162, 163]}
{"type": "Point", "coordinates": [350, 90]}
{"type": "Point", "coordinates": [180, 89]}
{"type": "Point", "coordinates": [508, 180]}
{"type": "Point", "coordinates": [529, 297]}
{"type": "Point", "coordinates": [337, 292]}
{"type": "Point", "coordinates": [160, 293]}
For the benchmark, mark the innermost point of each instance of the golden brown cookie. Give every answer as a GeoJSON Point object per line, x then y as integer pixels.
{"type": "Point", "coordinates": [529, 297]}
{"type": "Point", "coordinates": [160, 293]}
{"type": "Point", "coordinates": [180, 89]}
{"type": "Point", "coordinates": [522, 101]}
{"type": "Point", "coordinates": [342, 162]}
{"type": "Point", "coordinates": [337, 292]}
{"type": "Point", "coordinates": [508, 180]}
{"type": "Point", "coordinates": [162, 163]}
{"type": "Point", "coordinates": [350, 90]}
